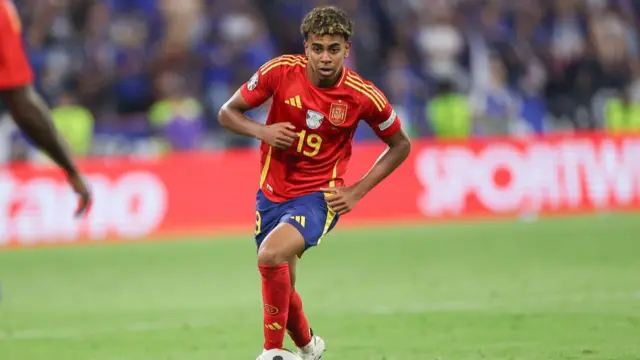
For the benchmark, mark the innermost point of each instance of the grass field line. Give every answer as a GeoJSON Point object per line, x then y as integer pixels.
{"type": "Point", "coordinates": [416, 308]}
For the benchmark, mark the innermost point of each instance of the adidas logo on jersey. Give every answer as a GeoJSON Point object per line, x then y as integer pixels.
{"type": "Point", "coordinates": [294, 101]}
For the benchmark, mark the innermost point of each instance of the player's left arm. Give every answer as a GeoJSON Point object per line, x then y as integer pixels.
{"type": "Point", "coordinates": [386, 124]}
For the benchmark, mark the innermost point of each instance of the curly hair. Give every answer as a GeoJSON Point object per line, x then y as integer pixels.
{"type": "Point", "coordinates": [327, 20]}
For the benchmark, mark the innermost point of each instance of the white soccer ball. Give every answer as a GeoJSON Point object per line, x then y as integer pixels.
{"type": "Point", "coordinates": [278, 354]}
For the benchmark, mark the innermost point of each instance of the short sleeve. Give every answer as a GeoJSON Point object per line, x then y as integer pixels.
{"type": "Point", "coordinates": [381, 117]}
{"type": "Point", "coordinates": [15, 69]}
{"type": "Point", "coordinates": [262, 84]}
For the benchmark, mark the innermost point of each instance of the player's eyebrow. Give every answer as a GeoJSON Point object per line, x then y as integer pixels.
{"type": "Point", "coordinates": [322, 45]}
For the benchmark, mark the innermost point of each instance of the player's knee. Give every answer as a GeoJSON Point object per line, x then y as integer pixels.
{"type": "Point", "coordinates": [281, 245]}
{"type": "Point", "coordinates": [271, 257]}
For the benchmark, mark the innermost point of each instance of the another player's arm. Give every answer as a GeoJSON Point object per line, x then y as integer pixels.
{"type": "Point", "coordinates": [31, 115]}
{"type": "Point", "coordinates": [27, 108]}
{"type": "Point", "coordinates": [251, 95]}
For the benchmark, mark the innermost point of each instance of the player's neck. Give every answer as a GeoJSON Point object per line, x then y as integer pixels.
{"type": "Point", "coordinates": [325, 84]}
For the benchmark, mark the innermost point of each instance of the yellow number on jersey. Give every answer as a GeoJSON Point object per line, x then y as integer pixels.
{"type": "Point", "coordinates": [258, 222]}
{"type": "Point", "coordinates": [312, 141]}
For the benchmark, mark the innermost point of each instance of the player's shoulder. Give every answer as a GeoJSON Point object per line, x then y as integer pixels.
{"type": "Point", "coordinates": [355, 77]}
{"type": "Point", "coordinates": [284, 63]}
{"type": "Point", "coordinates": [366, 91]}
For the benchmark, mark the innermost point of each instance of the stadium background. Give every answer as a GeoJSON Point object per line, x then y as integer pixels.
{"type": "Point", "coordinates": [521, 113]}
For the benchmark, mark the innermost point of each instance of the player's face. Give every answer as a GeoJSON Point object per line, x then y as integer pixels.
{"type": "Point", "coordinates": [326, 54]}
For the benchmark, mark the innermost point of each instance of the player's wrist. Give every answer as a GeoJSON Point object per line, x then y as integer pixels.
{"type": "Point", "coordinates": [260, 132]}
{"type": "Point", "coordinates": [359, 190]}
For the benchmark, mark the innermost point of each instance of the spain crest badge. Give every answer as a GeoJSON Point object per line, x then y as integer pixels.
{"type": "Point", "coordinates": [338, 113]}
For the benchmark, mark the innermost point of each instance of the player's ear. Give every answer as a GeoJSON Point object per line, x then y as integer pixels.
{"type": "Point", "coordinates": [306, 47]}
{"type": "Point", "coordinates": [347, 48]}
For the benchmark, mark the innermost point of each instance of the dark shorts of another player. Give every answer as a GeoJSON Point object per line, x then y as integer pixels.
{"type": "Point", "coordinates": [309, 213]}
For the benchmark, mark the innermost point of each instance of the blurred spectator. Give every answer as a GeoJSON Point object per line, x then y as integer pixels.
{"type": "Point", "coordinates": [495, 105]}
{"type": "Point", "coordinates": [449, 112]}
{"type": "Point", "coordinates": [177, 117]}
{"type": "Point", "coordinates": [440, 42]}
{"type": "Point", "coordinates": [623, 114]}
{"type": "Point", "coordinates": [75, 122]}
{"type": "Point", "coordinates": [130, 37]}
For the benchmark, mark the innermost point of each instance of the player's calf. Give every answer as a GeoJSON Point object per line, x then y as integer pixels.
{"type": "Point", "coordinates": [283, 243]}
{"type": "Point", "coordinates": [297, 324]}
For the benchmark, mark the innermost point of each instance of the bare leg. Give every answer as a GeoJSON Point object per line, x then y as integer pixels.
{"type": "Point", "coordinates": [281, 245]}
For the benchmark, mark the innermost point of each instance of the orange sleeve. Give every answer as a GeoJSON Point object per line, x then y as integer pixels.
{"type": "Point", "coordinates": [15, 70]}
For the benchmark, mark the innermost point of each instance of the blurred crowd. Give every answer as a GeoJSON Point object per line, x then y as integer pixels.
{"type": "Point", "coordinates": [147, 76]}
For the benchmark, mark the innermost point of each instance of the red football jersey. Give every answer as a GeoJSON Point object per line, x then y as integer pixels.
{"type": "Point", "coordinates": [15, 70]}
{"type": "Point", "coordinates": [325, 121]}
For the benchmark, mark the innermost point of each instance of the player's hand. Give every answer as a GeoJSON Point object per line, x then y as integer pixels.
{"type": "Point", "coordinates": [279, 135]}
{"type": "Point", "coordinates": [341, 199]}
{"type": "Point", "coordinates": [80, 187]}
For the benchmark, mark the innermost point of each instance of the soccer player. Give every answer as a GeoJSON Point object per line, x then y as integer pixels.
{"type": "Point", "coordinates": [26, 107]}
{"type": "Point", "coordinates": [305, 147]}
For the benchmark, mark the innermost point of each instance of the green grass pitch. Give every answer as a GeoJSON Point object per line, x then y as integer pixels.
{"type": "Point", "coordinates": [552, 289]}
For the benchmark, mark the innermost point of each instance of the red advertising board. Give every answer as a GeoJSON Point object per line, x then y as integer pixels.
{"type": "Point", "coordinates": [204, 193]}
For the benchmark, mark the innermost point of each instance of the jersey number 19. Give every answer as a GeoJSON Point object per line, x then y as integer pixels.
{"type": "Point", "coordinates": [313, 142]}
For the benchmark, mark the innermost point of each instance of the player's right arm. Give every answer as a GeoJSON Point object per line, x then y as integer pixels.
{"type": "Point", "coordinates": [27, 108]}
{"type": "Point", "coordinates": [252, 94]}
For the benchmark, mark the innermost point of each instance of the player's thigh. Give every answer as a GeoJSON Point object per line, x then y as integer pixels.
{"type": "Point", "coordinates": [281, 245]}
{"type": "Point", "coordinates": [276, 241]}
{"type": "Point", "coordinates": [312, 217]}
